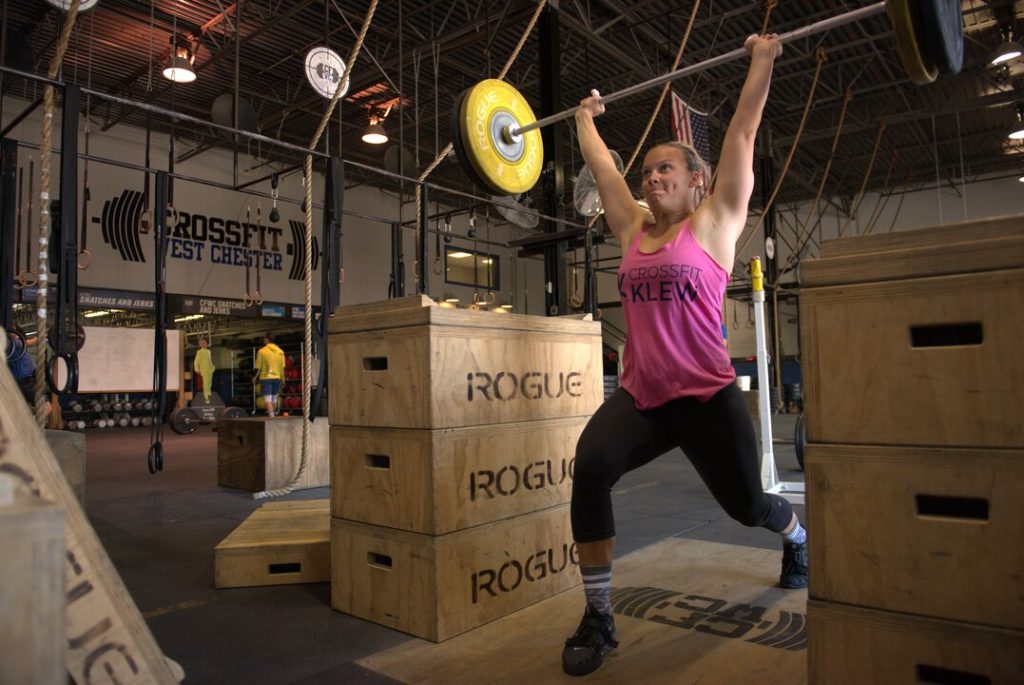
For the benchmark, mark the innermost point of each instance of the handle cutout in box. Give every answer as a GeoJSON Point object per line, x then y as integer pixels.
{"type": "Point", "coordinates": [947, 335]}
{"type": "Point", "coordinates": [943, 506]}
{"type": "Point", "coordinates": [277, 569]}
{"type": "Point", "coordinates": [378, 560]}
{"type": "Point", "coordinates": [378, 461]}
{"type": "Point", "coordinates": [375, 363]}
{"type": "Point", "coordinates": [946, 676]}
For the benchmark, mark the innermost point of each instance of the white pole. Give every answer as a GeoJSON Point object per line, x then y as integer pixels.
{"type": "Point", "coordinates": [769, 474]}
{"type": "Point", "coordinates": [792, 491]}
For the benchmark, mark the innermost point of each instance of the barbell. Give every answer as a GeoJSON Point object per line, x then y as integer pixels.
{"type": "Point", "coordinates": [495, 133]}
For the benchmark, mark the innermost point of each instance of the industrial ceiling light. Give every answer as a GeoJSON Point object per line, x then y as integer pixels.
{"type": "Point", "coordinates": [1009, 49]}
{"type": "Point", "coordinates": [179, 66]}
{"type": "Point", "coordinates": [375, 133]}
{"type": "Point", "coordinates": [1017, 133]}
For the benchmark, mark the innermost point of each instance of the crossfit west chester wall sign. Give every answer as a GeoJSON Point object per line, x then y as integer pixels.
{"type": "Point", "coordinates": [215, 238]}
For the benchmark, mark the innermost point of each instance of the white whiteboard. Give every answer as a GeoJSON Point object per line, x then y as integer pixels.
{"type": "Point", "coordinates": [121, 360]}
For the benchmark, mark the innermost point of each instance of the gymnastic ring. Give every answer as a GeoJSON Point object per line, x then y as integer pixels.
{"type": "Point", "coordinates": [247, 300]}
{"type": "Point", "coordinates": [155, 457]}
{"type": "Point", "coordinates": [491, 298]}
{"type": "Point", "coordinates": [27, 279]}
{"type": "Point", "coordinates": [88, 260]}
{"type": "Point", "coordinates": [257, 298]}
{"type": "Point", "coordinates": [17, 344]}
{"type": "Point", "coordinates": [71, 382]}
{"type": "Point", "coordinates": [145, 222]}
{"type": "Point", "coordinates": [172, 212]}
{"type": "Point", "coordinates": [437, 267]}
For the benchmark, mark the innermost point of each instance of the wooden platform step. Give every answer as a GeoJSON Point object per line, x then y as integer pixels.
{"type": "Point", "coordinates": [281, 543]}
{"type": "Point", "coordinates": [686, 611]}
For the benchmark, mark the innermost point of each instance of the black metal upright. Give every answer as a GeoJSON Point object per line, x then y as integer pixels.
{"type": "Point", "coordinates": [8, 226]}
{"type": "Point", "coordinates": [397, 288]}
{"type": "Point", "coordinates": [553, 176]}
{"type": "Point", "coordinates": [66, 337]}
{"type": "Point", "coordinates": [770, 265]}
{"type": "Point", "coordinates": [421, 243]}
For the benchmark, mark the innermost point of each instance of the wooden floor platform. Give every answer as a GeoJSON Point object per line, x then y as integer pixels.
{"type": "Point", "coordinates": [687, 611]}
{"type": "Point", "coordinates": [281, 543]}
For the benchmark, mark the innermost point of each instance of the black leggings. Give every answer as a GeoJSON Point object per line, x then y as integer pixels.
{"type": "Point", "coordinates": [717, 436]}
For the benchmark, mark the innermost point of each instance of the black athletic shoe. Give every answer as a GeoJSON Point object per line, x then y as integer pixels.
{"type": "Point", "coordinates": [585, 650]}
{"type": "Point", "coordinates": [794, 566]}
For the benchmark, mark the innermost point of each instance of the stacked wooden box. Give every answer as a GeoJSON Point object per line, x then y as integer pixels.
{"type": "Point", "coordinates": [259, 453]}
{"type": "Point", "coordinates": [915, 456]}
{"type": "Point", "coordinates": [452, 440]}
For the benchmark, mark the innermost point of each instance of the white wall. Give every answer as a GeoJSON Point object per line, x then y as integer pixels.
{"type": "Point", "coordinates": [200, 269]}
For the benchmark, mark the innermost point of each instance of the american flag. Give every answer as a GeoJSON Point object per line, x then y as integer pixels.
{"type": "Point", "coordinates": [691, 127]}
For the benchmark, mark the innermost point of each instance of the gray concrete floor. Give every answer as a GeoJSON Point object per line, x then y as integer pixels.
{"type": "Point", "coordinates": [160, 531]}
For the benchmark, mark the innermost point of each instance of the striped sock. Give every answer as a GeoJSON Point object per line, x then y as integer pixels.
{"type": "Point", "coordinates": [797, 536]}
{"type": "Point", "coordinates": [597, 584]}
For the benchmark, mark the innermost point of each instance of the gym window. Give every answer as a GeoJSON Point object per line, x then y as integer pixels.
{"type": "Point", "coordinates": [463, 266]}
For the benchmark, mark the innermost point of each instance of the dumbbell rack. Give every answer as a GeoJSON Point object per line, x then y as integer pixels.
{"type": "Point", "coordinates": [291, 385]}
{"type": "Point", "coordinates": [107, 410]}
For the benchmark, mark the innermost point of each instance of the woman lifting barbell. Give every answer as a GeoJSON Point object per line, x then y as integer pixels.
{"type": "Point", "coordinates": [678, 385]}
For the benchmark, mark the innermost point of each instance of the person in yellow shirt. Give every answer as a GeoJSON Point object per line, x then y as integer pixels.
{"type": "Point", "coordinates": [202, 369]}
{"type": "Point", "coordinates": [269, 372]}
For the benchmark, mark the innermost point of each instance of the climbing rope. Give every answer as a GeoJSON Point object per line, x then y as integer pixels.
{"type": "Point", "coordinates": [46, 144]}
{"type": "Point", "coordinates": [769, 6]}
{"type": "Point", "coordinates": [864, 183]}
{"type": "Point", "coordinates": [307, 367]}
{"type": "Point", "coordinates": [805, 231]}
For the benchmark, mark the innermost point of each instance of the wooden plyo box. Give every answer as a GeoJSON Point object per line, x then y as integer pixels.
{"type": "Point", "coordinates": [925, 361]}
{"type": "Point", "coordinates": [281, 543]}
{"type": "Point", "coordinates": [436, 587]}
{"type": "Point", "coordinates": [408, 363]}
{"type": "Point", "coordinates": [848, 645]}
{"type": "Point", "coordinates": [929, 531]}
{"type": "Point", "coordinates": [437, 482]}
{"type": "Point", "coordinates": [967, 247]}
{"type": "Point", "coordinates": [261, 453]}
{"type": "Point", "coordinates": [912, 338]}
{"type": "Point", "coordinates": [32, 602]}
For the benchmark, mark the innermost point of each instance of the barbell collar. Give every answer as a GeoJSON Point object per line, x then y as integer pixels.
{"type": "Point", "coordinates": [797, 34]}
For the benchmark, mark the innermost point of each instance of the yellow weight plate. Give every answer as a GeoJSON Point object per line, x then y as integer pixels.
{"type": "Point", "coordinates": [901, 16]}
{"type": "Point", "coordinates": [509, 167]}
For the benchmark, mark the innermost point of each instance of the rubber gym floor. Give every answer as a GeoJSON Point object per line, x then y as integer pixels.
{"type": "Point", "coordinates": [160, 531]}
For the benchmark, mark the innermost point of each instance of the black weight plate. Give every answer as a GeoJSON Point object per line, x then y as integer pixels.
{"type": "Point", "coordinates": [233, 413]}
{"type": "Point", "coordinates": [460, 148]}
{"type": "Point", "coordinates": [940, 34]}
{"type": "Point", "coordinates": [184, 421]}
{"type": "Point", "coordinates": [54, 334]}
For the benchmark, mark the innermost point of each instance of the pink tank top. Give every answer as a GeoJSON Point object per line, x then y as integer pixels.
{"type": "Point", "coordinates": [672, 300]}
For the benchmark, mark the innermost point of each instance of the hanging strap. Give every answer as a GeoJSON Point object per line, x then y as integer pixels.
{"type": "Point", "coordinates": [68, 336]}
{"type": "Point", "coordinates": [867, 176]}
{"type": "Point", "coordinates": [155, 458]}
